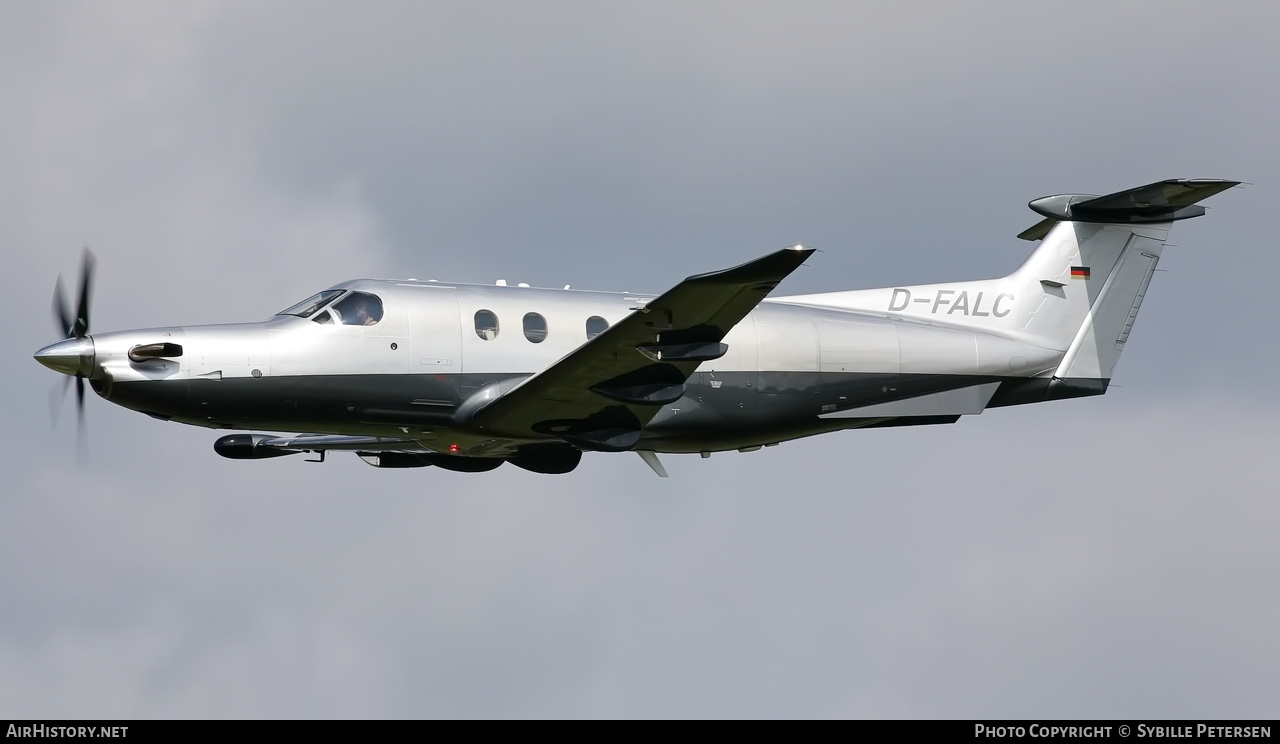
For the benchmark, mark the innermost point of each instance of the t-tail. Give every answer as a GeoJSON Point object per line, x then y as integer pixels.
{"type": "Point", "coordinates": [1078, 293]}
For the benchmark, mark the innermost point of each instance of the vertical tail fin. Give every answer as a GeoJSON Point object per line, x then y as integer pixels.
{"type": "Point", "coordinates": [1073, 300]}
{"type": "Point", "coordinates": [1081, 290]}
{"type": "Point", "coordinates": [1094, 266]}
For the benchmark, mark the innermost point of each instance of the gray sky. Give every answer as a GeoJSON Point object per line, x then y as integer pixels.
{"type": "Point", "coordinates": [1109, 557]}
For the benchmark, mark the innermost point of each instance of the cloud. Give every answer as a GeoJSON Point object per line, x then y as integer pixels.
{"type": "Point", "coordinates": [1102, 557]}
{"type": "Point", "coordinates": [984, 573]}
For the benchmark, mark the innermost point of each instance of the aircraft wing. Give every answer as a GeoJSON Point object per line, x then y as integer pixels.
{"type": "Point", "coordinates": [600, 396]}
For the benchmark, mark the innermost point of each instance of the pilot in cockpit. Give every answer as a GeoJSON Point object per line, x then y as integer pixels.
{"type": "Point", "coordinates": [358, 308]}
{"type": "Point", "coordinates": [362, 316]}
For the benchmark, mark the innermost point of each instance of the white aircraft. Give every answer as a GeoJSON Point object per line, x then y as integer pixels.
{"type": "Point", "coordinates": [467, 377]}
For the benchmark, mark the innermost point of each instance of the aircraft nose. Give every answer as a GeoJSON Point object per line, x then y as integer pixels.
{"type": "Point", "coordinates": [73, 356]}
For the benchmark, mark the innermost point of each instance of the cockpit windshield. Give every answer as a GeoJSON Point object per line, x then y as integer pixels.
{"type": "Point", "coordinates": [309, 306]}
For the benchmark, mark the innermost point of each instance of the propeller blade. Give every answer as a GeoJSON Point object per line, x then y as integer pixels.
{"type": "Point", "coordinates": [86, 287]}
{"type": "Point", "coordinates": [60, 312]}
{"type": "Point", "coordinates": [57, 394]}
{"type": "Point", "coordinates": [80, 400]}
{"type": "Point", "coordinates": [81, 447]}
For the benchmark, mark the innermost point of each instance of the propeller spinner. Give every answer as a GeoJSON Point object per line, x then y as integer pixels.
{"type": "Point", "coordinates": [74, 355]}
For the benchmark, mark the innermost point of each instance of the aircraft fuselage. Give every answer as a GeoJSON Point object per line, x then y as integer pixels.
{"type": "Point", "coordinates": [791, 370]}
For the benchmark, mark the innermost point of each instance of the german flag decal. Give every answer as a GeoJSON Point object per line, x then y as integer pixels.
{"type": "Point", "coordinates": [1079, 272]}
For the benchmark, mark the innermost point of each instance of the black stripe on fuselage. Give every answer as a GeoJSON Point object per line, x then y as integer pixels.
{"type": "Point", "coordinates": [720, 410]}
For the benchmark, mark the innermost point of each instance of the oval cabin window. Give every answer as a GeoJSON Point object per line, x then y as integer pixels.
{"type": "Point", "coordinates": [596, 325]}
{"type": "Point", "coordinates": [535, 327]}
{"type": "Point", "coordinates": [486, 325]}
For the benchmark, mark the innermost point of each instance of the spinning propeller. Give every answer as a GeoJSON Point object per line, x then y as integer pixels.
{"type": "Point", "coordinates": [74, 355]}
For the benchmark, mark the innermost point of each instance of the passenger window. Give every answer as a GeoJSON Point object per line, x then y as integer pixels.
{"type": "Point", "coordinates": [358, 308]}
{"type": "Point", "coordinates": [596, 325]}
{"type": "Point", "coordinates": [535, 327]}
{"type": "Point", "coordinates": [486, 325]}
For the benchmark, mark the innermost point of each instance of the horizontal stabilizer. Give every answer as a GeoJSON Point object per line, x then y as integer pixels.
{"type": "Point", "coordinates": [1159, 199]}
{"type": "Point", "coordinates": [1162, 201]}
{"type": "Point", "coordinates": [1038, 230]}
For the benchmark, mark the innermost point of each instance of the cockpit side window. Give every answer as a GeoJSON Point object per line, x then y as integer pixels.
{"type": "Point", "coordinates": [358, 308]}
{"type": "Point", "coordinates": [309, 306]}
